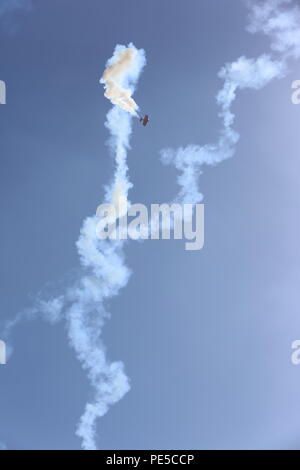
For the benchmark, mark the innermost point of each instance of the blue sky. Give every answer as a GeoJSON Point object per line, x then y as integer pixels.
{"type": "Point", "coordinates": [205, 336]}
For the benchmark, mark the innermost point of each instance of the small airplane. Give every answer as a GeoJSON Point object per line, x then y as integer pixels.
{"type": "Point", "coordinates": [144, 119]}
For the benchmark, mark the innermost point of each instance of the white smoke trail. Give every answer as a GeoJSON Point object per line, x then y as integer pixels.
{"type": "Point", "coordinates": [104, 273]}
{"type": "Point", "coordinates": [283, 27]}
{"type": "Point", "coordinates": [123, 65]}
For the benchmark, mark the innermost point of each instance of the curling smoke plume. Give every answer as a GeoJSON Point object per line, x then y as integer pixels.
{"type": "Point", "coordinates": [120, 69]}
{"type": "Point", "coordinates": [282, 26]}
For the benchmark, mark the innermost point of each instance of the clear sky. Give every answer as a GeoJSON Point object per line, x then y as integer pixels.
{"type": "Point", "coordinates": [205, 336]}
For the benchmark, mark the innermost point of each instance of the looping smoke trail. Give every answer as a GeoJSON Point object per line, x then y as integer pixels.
{"type": "Point", "coordinates": [282, 26]}
{"type": "Point", "coordinates": [103, 274]}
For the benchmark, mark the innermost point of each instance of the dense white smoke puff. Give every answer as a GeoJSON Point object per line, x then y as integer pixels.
{"type": "Point", "coordinates": [283, 28]}
{"type": "Point", "coordinates": [120, 72]}
{"type": "Point", "coordinates": [104, 273]}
